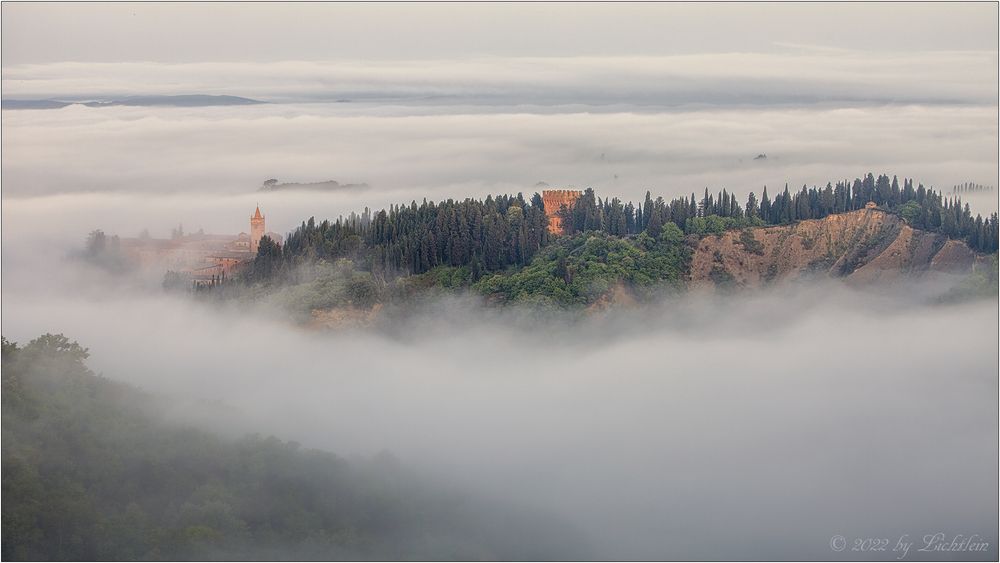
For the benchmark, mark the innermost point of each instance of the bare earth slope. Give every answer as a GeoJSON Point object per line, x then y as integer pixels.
{"type": "Point", "coordinates": [862, 246]}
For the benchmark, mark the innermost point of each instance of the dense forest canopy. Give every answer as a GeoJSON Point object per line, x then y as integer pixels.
{"type": "Point", "coordinates": [90, 474]}
{"type": "Point", "coordinates": [504, 231]}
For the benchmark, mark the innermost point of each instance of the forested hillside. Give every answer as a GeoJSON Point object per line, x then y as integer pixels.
{"type": "Point", "coordinates": [501, 247]}
{"type": "Point", "coordinates": [487, 235]}
{"type": "Point", "coordinates": [583, 269]}
{"type": "Point", "coordinates": [90, 474]}
{"type": "Point", "coordinates": [921, 208]}
{"type": "Point", "coordinates": [508, 231]}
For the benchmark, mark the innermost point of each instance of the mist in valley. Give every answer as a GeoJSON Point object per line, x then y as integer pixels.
{"type": "Point", "coordinates": [751, 425]}
{"type": "Point", "coordinates": [705, 427]}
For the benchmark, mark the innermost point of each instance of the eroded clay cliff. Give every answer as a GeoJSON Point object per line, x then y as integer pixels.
{"type": "Point", "coordinates": [863, 246]}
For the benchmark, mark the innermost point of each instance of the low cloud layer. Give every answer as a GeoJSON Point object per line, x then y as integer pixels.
{"type": "Point", "coordinates": [795, 76]}
{"type": "Point", "coordinates": [408, 152]}
{"type": "Point", "coordinates": [757, 426]}
{"type": "Point", "coordinates": [467, 126]}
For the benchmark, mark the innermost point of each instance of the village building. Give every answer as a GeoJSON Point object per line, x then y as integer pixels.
{"type": "Point", "coordinates": [207, 259]}
{"type": "Point", "coordinates": [553, 201]}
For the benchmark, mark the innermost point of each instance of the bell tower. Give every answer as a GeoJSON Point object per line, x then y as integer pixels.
{"type": "Point", "coordinates": [256, 230]}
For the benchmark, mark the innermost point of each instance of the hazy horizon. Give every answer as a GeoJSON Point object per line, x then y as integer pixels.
{"type": "Point", "coordinates": [667, 98]}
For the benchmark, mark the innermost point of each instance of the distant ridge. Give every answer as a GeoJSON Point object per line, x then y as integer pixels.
{"type": "Point", "coordinates": [272, 185]}
{"type": "Point", "coordinates": [186, 100]}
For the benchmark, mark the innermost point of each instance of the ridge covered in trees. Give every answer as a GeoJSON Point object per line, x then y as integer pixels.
{"type": "Point", "coordinates": [487, 235]}
{"type": "Point", "coordinates": [505, 231]}
{"type": "Point", "coordinates": [920, 207]}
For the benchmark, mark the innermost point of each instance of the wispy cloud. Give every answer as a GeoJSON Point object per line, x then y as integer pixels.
{"type": "Point", "coordinates": [754, 78]}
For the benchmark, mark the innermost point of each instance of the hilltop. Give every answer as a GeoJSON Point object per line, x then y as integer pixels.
{"type": "Point", "coordinates": [571, 249]}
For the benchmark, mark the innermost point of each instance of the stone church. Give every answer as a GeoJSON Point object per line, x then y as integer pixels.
{"type": "Point", "coordinates": [207, 259]}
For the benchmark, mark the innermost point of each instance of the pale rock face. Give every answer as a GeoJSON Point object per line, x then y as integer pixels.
{"type": "Point", "coordinates": [863, 246]}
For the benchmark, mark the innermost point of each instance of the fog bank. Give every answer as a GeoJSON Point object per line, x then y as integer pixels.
{"type": "Point", "coordinates": [408, 153]}
{"type": "Point", "coordinates": [756, 426]}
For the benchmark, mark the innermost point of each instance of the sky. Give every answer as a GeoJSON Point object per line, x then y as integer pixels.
{"type": "Point", "coordinates": [35, 33]}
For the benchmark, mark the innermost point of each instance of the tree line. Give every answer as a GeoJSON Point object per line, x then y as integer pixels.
{"type": "Point", "coordinates": [504, 231]}
{"type": "Point", "coordinates": [921, 207]}
{"type": "Point", "coordinates": [970, 187]}
{"type": "Point", "coordinates": [487, 236]}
